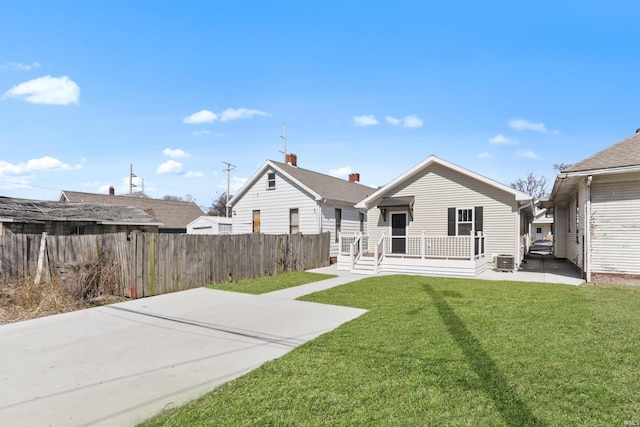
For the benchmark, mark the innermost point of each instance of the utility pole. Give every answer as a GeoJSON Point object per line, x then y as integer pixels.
{"type": "Point", "coordinates": [285, 143]}
{"type": "Point", "coordinates": [131, 176]}
{"type": "Point", "coordinates": [228, 169]}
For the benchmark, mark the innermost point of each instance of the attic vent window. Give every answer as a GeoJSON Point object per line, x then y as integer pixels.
{"type": "Point", "coordinates": [271, 181]}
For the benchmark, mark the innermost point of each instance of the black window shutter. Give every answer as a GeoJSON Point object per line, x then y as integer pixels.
{"type": "Point", "coordinates": [451, 221]}
{"type": "Point", "coordinates": [478, 218]}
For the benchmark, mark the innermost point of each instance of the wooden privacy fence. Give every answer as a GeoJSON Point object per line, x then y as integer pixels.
{"type": "Point", "coordinates": [152, 264]}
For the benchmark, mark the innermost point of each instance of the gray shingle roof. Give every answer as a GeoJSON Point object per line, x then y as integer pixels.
{"type": "Point", "coordinates": [29, 211]}
{"type": "Point", "coordinates": [622, 154]}
{"type": "Point", "coordinates": [328, 186]}
{"type": "Point", "coordinates": [172, 214]}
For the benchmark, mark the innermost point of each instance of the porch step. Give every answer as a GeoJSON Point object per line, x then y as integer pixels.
{"type": "Point", "coordinates": [365, 265]}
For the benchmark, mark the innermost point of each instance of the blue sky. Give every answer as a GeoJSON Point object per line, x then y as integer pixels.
{"type": "Point", "coordinates": [178, 88]}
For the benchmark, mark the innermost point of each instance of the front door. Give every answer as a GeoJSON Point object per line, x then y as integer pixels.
{"type": "Point", "coordinates": [399, 233]}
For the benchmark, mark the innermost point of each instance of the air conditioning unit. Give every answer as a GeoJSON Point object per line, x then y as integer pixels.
{"type": "Point", "coordinates": [505, 263]}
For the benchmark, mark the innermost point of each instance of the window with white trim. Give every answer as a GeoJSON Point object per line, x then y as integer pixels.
{"type": "Point", "coordinates": [294, 221]}
{"type": "Point", "coordinates": [465, 222]}
{"type": "Point", "coordinates": [271, 181]}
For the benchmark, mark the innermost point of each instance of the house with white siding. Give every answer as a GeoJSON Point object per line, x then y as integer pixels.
{"type": "Point", "coordinates": [439, 219]}
{"type": "Point", "coordinates": [282, 198]}
{"type": "Point", "coordinates": [596, 203]}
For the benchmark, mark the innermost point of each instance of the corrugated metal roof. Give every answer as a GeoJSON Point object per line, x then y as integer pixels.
{"type": "Point", "coordinates": [328, 186]}
{"type": "Point", "coordinates": [25, 210]}
{"type": "Point", "coordinates": [173, 214]}
{"type": "Point", "coordinates": [621, 154]}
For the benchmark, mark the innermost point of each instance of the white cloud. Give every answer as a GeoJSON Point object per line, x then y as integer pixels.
{"type": "Point", "coordinates": [46, 163]}
{"type": "Point", "coordinates": [501, 139]}
{"type": "Point", "coordinates": [522, 124]}
{"type": "Point", "coordinates": [46, 90]}
{"type": "Point", "coordinates": [340, 172]}
{"type": "Point", "coordinates": [365, 120]}
{"type": "Point", "coordinates": [193, 174]}
{"type": "Point", "coordinates": [485, 155]}
{"type": "Point", "coordinates": [528, 154]}
{"type": "Point", "coordinates": [170, 166]}
{"type": "Point", "coordinates": [43, 163]}
{"type": "Point", "coordinates": [174, 154]}
{"type": "Point", "coordinates": [412, 121]}
{"type": "Point", "coordinates": [19, 66]}
{"type": "Point", "coordinates": [202, 116]}
{"type": "Point", "coordinates": [240, 113]}
{"type": "Point", "coordinates": [200, 132]}
{"type": "Point", "coordinates": [392, 120]}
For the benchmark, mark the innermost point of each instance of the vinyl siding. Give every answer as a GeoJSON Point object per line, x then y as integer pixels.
{"type": "Point", "coordinates": [560, 236]}
{"type": "Point", "coordinates": [350, 223]}
{"type": "Point", "coordinates": [439, 188]}
{"type": "Point", "coordinates": [274, 206]}
{"type": "Point", "coordinates": [615, 242]}
{"type": "Point", "coordinates": [574, 238]}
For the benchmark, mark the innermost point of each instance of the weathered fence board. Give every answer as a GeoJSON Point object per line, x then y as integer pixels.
{"type": "Point", "coordinates": [152, 264]}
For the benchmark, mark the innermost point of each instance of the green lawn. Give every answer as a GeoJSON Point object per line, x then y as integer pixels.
{"type": "Point", "coordinates": [272, 283]}
{"type": "Point", "coordinates": [449, 352]}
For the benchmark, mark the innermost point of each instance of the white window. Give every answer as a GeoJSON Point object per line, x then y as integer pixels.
{"type": "Point", "coordinates": [465, 222]}
{"type": "Point", "coordinates": [338, 224]}
{"type": "Point", "coordinates": [271, 181]}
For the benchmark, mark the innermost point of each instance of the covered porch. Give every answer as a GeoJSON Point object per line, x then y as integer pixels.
{"type": "Point", "coordinates": [462, 256]}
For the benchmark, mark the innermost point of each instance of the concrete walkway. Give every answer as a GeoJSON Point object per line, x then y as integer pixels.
{"type": "Point", "coordinates": [538, 268]}
{"type": "Point", "coordinates": [117, 365]}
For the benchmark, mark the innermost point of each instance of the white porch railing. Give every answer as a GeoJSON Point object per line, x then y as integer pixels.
{"type": "Point", "coordinates": [416, 246]}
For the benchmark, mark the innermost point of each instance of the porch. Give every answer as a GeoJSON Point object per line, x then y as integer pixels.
{"type": "Point", "coordinates": [462, 256]}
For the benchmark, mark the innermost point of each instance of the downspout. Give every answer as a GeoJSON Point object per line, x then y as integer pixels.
{"type": "Point", "coordinates": [587, 231]}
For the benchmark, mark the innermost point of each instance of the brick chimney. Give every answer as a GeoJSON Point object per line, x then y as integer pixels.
{"type": "Point", "coordinates": [112, 191]}
{"type": "Point", "coordinates": [291, 159]}
{"type": "Point", "coordinates": [354, 177]}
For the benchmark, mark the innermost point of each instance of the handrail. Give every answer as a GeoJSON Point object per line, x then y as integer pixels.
{"type": "Point", "coordinates": [355, 250]}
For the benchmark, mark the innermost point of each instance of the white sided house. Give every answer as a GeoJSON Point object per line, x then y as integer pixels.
{"type": "Point", "coordinates": [281, 198]}
{"type": "Point", "coordinates": [596, 203]}
{"type": "Point", "coordinates": [207, 224]}
{"type": "Point", "coordinates": [440, 219]}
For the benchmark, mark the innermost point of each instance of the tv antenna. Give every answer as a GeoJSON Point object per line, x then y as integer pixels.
{"type": "Point", "coordinates": [285, 143]}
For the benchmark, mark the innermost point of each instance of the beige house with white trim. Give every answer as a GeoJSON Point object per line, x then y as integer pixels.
{"type": "Point", "coordinates": [440, 218]}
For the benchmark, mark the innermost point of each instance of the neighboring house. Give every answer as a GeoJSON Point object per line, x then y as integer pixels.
{"type": "Point", "coordinates": [596, 203]}
{"type": "Point", "coordinates": [439, 218]}
{"type": "Point", "coordinates": [174, 215]}
{"type": "Point", "coordinates": [283, 198]}
{"type": "Point", "coordinates": [542, 225]}
{"type": "Point", "coordinates": [210, 225]}
{"type": "Point", "coordinates": [23, 216]}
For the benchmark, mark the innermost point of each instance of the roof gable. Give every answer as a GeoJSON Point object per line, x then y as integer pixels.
{"type": "Point", "coordinates": [625, 153]}
{"type": "Point", "coordinates": [421, 167]}
{"type": "Point", "coordinates": [319, 185]}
